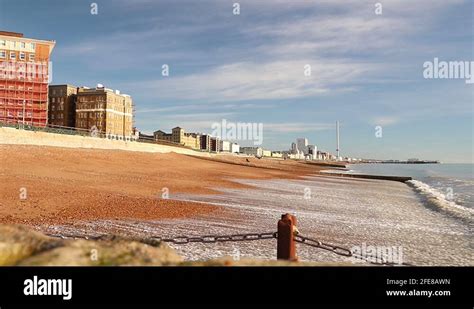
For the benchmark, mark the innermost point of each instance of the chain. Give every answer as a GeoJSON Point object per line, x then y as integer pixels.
{"type": "Point", "coordinates": [341, 250]}
{"type": "Point", "coordinates": [179, 240]}
{"type": "Point", "coordinates": [318, 244]}
{"type": "Point", "coordinates": [218, 238]}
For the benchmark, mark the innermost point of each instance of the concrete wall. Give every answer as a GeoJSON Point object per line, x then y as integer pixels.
{"type": "Point", "coordinates": [10, 136]}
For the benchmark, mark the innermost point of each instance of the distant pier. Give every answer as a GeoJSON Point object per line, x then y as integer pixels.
{"type": "Point", "coordinates": [402, 162]}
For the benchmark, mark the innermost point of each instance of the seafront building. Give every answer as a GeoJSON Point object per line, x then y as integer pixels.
{"type": "Point", "coordinates": [108, 112]}
{"type": "Point", "coordinates": [302, 145]}
{"type": "Point", "coordinates": [224, 146]}
{"type": "Point", "coordinates": [24, 78]}
{"type": "Point", "coordinates": [304, 151]}
{"type": "Point", "coordinates": [215, 144]}
{"type": "Point", "coordinates": [179, 136]}
{"type": "Point", "coordinates": [252, 151]}
{"type": "Point", "coordinates": [197, 141]}
{"type": "Point", "coordinates": [277, 154]}
{"type": "Point", "coordinates": [234, 148]}
{"type": "Point", "coordinates": [62, 105]}
{"type": "Point", "coordinates": [206, 142]}
{"type": "Point", "coordinates": [227, 146]}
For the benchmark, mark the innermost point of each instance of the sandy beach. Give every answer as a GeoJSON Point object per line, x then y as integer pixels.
{"type": "Point", "coordinates": [66, 185]}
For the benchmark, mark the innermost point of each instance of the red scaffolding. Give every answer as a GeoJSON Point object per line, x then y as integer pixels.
{"type": "Point", "coordinates": [24, 93]}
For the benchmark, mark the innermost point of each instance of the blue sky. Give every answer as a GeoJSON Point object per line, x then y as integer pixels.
{"type": "Point", "coordinates": [367, 69]}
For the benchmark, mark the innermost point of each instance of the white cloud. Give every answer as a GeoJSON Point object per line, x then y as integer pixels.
{"type": "Point", "coordinates": [385, 120]}
{"type": "Point", "coordinates": [256, 81]}
{"type": "Point", "coordinates": [292, 127]}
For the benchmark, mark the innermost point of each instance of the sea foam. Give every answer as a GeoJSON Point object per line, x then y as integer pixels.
{"type": "Point", "coordinates": [440, 200]}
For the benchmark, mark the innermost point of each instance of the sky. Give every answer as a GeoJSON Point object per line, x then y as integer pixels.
{"type": "Point", "coordinates": [366, 68]}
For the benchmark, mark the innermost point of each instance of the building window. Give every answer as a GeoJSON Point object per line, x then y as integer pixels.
{"type": "Point", "coordinates": [22, 56]}
{"type": "Point", "coordinates": [28, 114]}
{"type": "Point", "coordinates": [32, 57]}
{"type": "Point", "coordinates": [33, 45]}
{"type": "Point", "coordinates": [23, 45]}
{"type": "Point", "coordinates": [12, 55]}
{"type": "Point", "coordinates": [3, 54]}
{"type": "Point", "coordinates": [52, 116]}
{"type": "Point", "coordinates": [2, 43]}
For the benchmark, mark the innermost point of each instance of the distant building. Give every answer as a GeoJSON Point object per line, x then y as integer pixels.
{"type": "Point", "coordinates": [252, 151]}
{"type": "Point", "coordinates": [277, 154]}
{"type": "Point", "coordinates": [266, 153]}
{"type": "Point", "coordinates": [224, 146]}
{"type": "Point", "coordinates": [105, 110]}
{"type": "Point", "coordinates": [144, 136]}
{"type": "Point", "coordinates": [321, 155]}
{"type": "Point", "coordinates": [303, 151]}
{"type": "Point", "coordinates": [24, 78]}
{"type": "Point", "coordinates": [206, 142]}
{"type": "Point", "coordinates": [62, 105]}
{"type": "Point", "coordinates": [135, 133]}
{"type": "Point", "coordinates": [215, 144]}
{"type": "Point", "coordinates": [302, 145]}
{"type": "Point", "coordinates": [179, 136]}
{"type": "Point", "coordinates": [234, 148]}
{"type": "Point", "coordinates": [160, 135]}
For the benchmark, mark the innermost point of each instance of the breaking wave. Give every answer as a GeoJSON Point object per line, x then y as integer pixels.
{"type": "Point", "coordinates": [440, 201]}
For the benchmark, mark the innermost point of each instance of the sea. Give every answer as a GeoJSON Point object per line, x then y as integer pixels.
{"type": "Point", "coordinates": [428, 221]}
{"type": "Point", "coordinates": [451, 184]}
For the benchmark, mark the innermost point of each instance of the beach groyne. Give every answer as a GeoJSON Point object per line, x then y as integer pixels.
{"type": "Point", "coordinates": [367, 176]}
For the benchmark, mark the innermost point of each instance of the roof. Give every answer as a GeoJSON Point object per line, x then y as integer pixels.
{"type": "Point", "coordinates": [9, 33]}
{"type": "Point", "coordinates": [63, 85]}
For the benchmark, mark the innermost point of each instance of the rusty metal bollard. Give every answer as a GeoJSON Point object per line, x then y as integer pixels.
{"type": "Point", "coordinates": [286, 248]}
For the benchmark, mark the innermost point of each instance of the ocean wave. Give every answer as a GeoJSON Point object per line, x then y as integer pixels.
{"type": "Point", "coordinates": [441, 201]}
